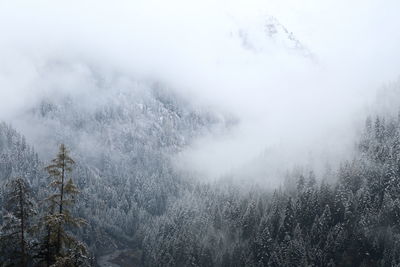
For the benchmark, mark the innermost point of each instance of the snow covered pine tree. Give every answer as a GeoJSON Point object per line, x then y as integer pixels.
{"type": "Point", "coordinates": [63, 249]}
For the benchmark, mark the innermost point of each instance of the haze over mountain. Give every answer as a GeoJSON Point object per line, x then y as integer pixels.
{"type": "Point", "coordinates": [184, 116]}
{"type": "Point", "coordinates": [242, 60]}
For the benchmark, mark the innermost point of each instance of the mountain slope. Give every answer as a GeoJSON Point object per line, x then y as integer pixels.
{"type": "Point", "coordinates": [122, 140]}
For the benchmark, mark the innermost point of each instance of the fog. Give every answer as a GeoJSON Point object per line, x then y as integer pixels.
{"type": "Point", "coordinates": [299, 102]}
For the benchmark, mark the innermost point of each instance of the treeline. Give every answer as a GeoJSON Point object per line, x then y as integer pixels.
{"type": "Point", "coordinates": [37, 231]}
{"type": "Point", "coordinates": [351, 218]}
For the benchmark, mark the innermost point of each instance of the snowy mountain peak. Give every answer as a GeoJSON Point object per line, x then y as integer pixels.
{"type": "Point", "coordinates": [266, 33]}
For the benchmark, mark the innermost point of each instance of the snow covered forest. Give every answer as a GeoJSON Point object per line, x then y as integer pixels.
{"type": "Point", "coordinates": [199, 133]}
{"type": "Point", "coordinates": [350, 216]}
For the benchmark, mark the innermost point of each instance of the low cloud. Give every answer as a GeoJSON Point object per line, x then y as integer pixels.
{"type": "Point", "coordinates": [219, 54]}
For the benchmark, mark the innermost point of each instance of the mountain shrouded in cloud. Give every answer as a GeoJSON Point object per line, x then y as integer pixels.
{"type": "Point", "coordinates": [249, 60]}
{"type": "Point", "coordinates": [199, 133]}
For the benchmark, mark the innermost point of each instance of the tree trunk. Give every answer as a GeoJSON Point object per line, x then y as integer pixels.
{"type": "Point", "coordinates": [61, 204]}
{"type": "Point", "coordinates": [48, 256]}
{"type": "Point", "coordinates": [21, 206]}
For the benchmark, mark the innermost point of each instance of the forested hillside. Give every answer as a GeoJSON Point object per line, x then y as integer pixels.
{"type": "Point", "coordinates": [348, 217]}
{"type": "Point", "coordinates": [122, 149]}
{"type": "Point", "coordinates": [205, 133]}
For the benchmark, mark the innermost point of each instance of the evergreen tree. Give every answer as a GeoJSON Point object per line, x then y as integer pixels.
{"type": "Point", "coordinates": [249, 220]}
{"type": "Point", "coordinates": [66, 246]}
{"type": "Point", "coordinates": [262, 246]}
{"type": "Point", "coordinates": [20, 209]}
{"type": "Point", "coordinates": [288, 222]}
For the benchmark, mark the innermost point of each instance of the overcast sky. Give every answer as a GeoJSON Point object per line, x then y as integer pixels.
{"type": "Point", "coordinates": [217, 53]}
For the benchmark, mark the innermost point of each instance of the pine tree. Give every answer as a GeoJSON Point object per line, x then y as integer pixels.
{"type": "Point", "coordinates": [20, 209]}
{"type": "Point", "coordinates": [301, 183]}
{"type": "Point", "coordinates": [66, 247]}
{"type": "Point", "coordinates": [249, 220]}
{"type": "Point", "coordinates": [262, 246]}
{"type": "Point", "coordinates": [288, 222]}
